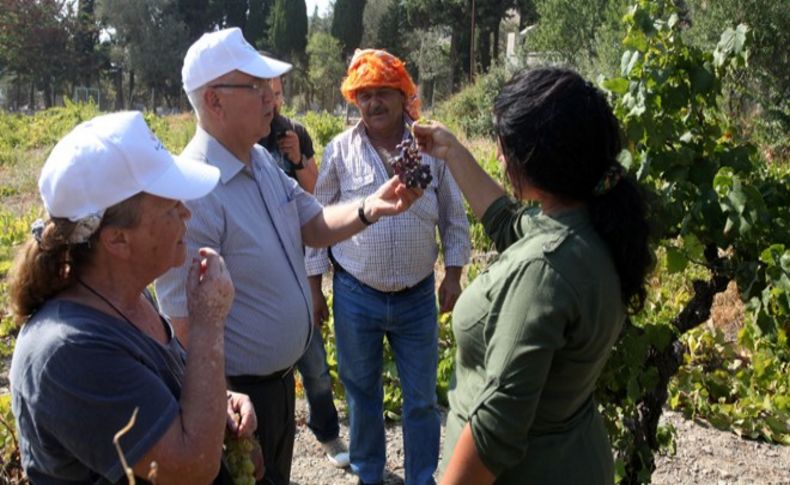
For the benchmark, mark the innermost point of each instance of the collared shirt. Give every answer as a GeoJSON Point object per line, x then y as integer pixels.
{"type": "Point", "coordinates": [253, 218]}
{"type": "Point", "coordinates": [396, 252]}
{"type": "Point", "coordinates": [533, 332]}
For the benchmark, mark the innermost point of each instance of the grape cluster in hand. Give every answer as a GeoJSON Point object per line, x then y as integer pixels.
{"type": "Point", "coordinates": [408, 167]}
{"type": "Point", "coordinates": [238, 459]}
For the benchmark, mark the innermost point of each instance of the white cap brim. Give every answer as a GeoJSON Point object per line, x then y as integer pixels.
{"type": "Point", "coordinates": [185, 180]}
{"type": "Point", "coordinates": [265, 67]}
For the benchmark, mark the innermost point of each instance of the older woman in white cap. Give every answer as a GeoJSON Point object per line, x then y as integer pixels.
{"type": "Point", "coordinates": [259, 219]}
{"type": "Point", "coordinates": [93, 346]}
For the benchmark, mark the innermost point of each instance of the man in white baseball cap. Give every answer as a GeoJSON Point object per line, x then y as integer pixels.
{"type": "Point", "coordinates": [259, 219]}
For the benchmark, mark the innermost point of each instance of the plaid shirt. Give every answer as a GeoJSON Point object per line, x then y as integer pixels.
{"type": "Point", "coordinates": [397, 252]}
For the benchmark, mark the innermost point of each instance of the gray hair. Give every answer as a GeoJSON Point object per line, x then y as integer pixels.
{"type": "Point", "coordinates": [195, 98]}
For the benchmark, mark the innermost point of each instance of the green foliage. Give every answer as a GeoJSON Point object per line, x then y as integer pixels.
{"type": "Point", "coordinates": [13, 232]}
{"type": "Point", "coordinates": [326, 68]}
{"type": "Point", "coordinates": [155, 39]}
{"type": "Point", "coordinates": [392, 30]}
{"type": "Point", "coordinates": [10, 464]}
{"type": "Point", "coordinates": [471, 108]}
{"type": "Point", "coordinates": [288, 28]}
{"type": "Point", "coordinates": [347, 24]}
{"type": "Point", "coordinates": [34, 41]}
{"type": "Point", "coordinates": [44, 128]}
{"type": "Point", "coordinates": [625, 375]}
{"type": "Point", "coordinates": [757, 96]}
{"type": "Point", "coordinates": [256, 29]}
{"type": "Point", "coordinates": [586, 34]}
{"type": "Point", "coordinates": [718, 214]}
{"type": "Point", "coordinates": [322, 126]}
{"type": "Point", "coordinates": [173, 131]}
{"type": "Point", "coordinates": [742, 386]}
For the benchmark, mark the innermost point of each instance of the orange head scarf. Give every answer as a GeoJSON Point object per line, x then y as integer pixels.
{"type": "Point", "coordinates": [374, 68]}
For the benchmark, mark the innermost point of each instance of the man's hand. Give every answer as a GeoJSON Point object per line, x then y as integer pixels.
{"type": "Point", "coordinates": [288, 144]}
{"type": "Point", "coordinates": [450, 289]}
{"type": "Point", "coordinates": [392, 198]}
{"type": "Point", "coordinates": [210, 290]}
{"type": "Point", "coordinates": [320, 308]}
{"type": "Point", "coordinates": [241, 405]}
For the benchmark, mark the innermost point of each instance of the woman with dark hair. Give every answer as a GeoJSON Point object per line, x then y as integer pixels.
{"type": "Point", "coordinates": [93, 349]}
{"type": "Point", "coordinates": [535, 329]}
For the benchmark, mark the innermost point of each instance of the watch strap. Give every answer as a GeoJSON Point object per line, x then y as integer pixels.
{"type": "Point", "coordinates": [301, 164]}
{"type": "Point", "coordinates": [361, 214]}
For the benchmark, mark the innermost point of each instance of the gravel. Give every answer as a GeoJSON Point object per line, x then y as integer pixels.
{"type": "Point", "coordinates": [704, 455]}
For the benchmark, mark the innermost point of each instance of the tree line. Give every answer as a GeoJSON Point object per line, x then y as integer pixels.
{"type": "Point", "coordinates": [132, 51]}
{"type": "Point", "coordinates": [50, 48]}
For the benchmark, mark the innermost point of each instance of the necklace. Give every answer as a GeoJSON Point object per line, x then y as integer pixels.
{"type": "Point", "coordinates": [108, 302]}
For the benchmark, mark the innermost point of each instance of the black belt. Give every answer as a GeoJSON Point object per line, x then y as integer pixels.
{"type": "Point", "coordinates": [251, 379]}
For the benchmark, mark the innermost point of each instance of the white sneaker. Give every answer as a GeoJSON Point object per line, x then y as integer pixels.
{"type": "Point", "coordinates": [336, 453]}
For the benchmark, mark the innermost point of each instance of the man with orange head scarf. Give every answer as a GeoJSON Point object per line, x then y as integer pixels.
{"type": "Point", "coordinates": [383, 277]}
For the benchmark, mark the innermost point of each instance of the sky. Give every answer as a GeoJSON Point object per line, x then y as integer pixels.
{"type": "Point", "coordinates": [323, 6]}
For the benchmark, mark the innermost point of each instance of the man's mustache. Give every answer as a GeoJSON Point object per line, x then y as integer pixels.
{"type": "Point", "coordinates": [377, 111]}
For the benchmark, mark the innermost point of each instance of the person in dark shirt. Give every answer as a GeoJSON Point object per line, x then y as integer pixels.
{"type": "Point", "coordinates": [93, 349]}
{"type": "Point", "coordinates": [290, 144]}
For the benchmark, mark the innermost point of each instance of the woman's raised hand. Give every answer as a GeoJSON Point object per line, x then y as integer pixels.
{"type": "Point", "coordinates": [436, 140]}
{"type": "Point", "coordinates": [210, 290]}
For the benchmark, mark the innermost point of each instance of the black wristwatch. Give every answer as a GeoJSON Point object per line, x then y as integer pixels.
{"type": "Point", "coordinates": [301, 164]}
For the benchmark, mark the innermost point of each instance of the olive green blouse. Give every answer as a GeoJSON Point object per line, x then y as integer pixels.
{"type": "Point", "coordinates": [533, 332]}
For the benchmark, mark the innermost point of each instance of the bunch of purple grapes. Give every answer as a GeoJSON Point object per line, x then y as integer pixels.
{"type": "Point", "coordinates": [408, 167]}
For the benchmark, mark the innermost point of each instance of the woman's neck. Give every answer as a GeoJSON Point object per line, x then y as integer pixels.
{"type": "Point", "coordinates": [555, 206]}
{"type": "Point", "coordinates": [550, 204]}
{"type": "Point", "coordinates": [118, 287]}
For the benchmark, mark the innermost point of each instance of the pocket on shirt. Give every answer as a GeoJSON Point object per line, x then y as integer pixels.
{"type": "Point", "coordinates": [474, 308]}
{"type": "Point", "coordinates": [360, 182]}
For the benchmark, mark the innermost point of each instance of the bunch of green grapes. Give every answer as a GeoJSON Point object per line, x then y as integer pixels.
{"type": "Point", "coordinates": [238, 453]}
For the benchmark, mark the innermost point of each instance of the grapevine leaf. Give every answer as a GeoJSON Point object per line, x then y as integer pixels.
{"type": "Point", "coordinates": [702, 79]}
{"type": "Point", "coordinates": [693, 246]}
{"type": "Point", "coordinates": [628, 61]}
{"type": "Point", "coordinates": [676, 260]}
{"type": "Point", "coordinates": [617, 85]}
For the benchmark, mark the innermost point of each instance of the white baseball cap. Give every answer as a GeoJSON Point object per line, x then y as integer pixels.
{"type": "Point", "coordinates": [217, 53]}
{"type": "Point", "coordinates": [110, 158]}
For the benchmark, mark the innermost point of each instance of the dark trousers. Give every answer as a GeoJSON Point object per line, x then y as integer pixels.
{"type": "Point", "coordinates": [273, 399]}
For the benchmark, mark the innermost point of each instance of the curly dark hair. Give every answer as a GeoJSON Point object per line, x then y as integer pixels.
{"type": "Point", "coordinates": [558, 133]}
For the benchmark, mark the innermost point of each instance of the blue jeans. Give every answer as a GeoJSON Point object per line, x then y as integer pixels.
{"type": "Point", "coordinates": [363, 317]}
{"type": "Point", "coordinates": [318, 388]}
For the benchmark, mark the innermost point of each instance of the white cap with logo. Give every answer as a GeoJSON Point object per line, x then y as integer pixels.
{"type": "Point", "coordinates": [217, 53]}
{"type": "Point", "coordinates": [110, 158]}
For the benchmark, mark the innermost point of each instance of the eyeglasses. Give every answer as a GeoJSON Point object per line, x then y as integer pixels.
{"type": "Point", "coordinates": [257, 87]}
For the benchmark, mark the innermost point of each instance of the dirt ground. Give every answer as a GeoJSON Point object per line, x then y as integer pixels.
{"type": "Point", "coordinates": [704, 455]}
